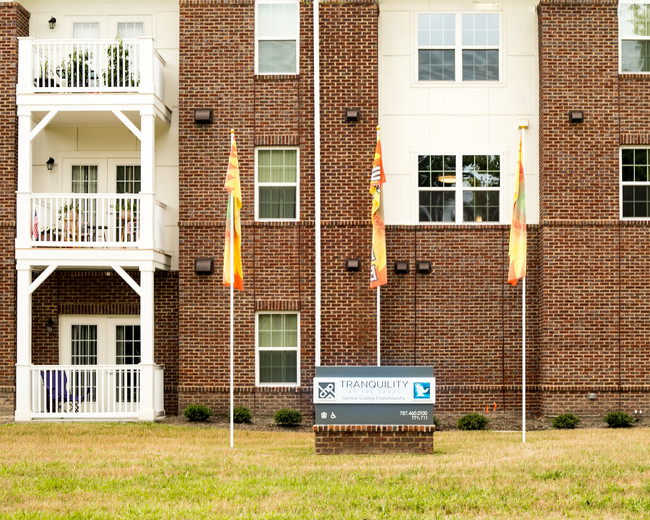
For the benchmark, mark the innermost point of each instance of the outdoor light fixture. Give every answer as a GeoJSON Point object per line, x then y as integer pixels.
{"type": "Point", "coordinates": [203, 116]}
{"type": "Point", "coordinates": [423, 266]}
{"type": "Point", "coordinates": [353, 264]}
{"type": "Point", "coordinates": [591, 396]}
{"type": "Point", "coordinates": [352, 115]}
{"type": "Point", "coordinates": [50, 164]}
{"type": "Point", "coordinates": [401, 267]}
{"type": "Point", "coordinates": [52, 22]}
{"type": "Point", "coordinates": [204, 265]}
{"type": "Point", "coordinates": [49, 326]}
{"type": "Point", "coordinates": [576, 116]}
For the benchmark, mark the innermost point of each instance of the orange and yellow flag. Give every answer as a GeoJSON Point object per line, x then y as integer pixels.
{"type": "Point", "coordinates": [233, 187]}
{"type": "Point", "coordinates": [378, 252]}
{"type": "Point", "coordinates": [517, 249]}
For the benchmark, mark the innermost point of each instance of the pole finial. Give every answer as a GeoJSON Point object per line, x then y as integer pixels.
{"type": "Point", "coordinates": [232, 130]}
{"type": "Point", "coordinates": [377, 128]}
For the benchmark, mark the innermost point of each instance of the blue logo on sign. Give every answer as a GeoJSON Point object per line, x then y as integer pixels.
{"type": "Point", "coordinates": [422, 390]}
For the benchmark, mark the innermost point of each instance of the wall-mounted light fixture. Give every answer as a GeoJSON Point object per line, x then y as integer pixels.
{"type": "Point", "coordinates": [352, 115]}
{"type": "Point", "coordinates": [591, 396]}
{"type": "Point", "coordinates": [424, 267]}
{"type": "Point", "coordinates": [204, 265]}
{"type": "Point", "coordinates": [49, 326]}
{"type": "Point", "coordinates": [50, 164]}
{"type": "Point", "coordinates": [352, 264]}
{"type": "Point", "coordinates": [203, 116]}
{"type": "Point", "coordinates": [576, 116]}
{"type": "Point", "coordinates": [52, 22]}
{"type": "Point", "coordinates": [401, 267]}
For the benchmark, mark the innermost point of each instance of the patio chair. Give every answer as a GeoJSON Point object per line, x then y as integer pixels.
{"type": "Point", "coordinates": [57, 396]}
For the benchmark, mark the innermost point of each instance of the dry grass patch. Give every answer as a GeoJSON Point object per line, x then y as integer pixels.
{"type": "Point", "coordinates": [108, 471]}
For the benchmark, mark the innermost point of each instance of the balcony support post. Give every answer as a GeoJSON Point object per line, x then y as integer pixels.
{"type": "Point", "coordinates": [147, 364]}
{"type": "Point", "coordinates": [147, 161]}
{"type": "Point", "coordinates": [23, 344]}
{"type": "Point", "coordinates": [23, 200]}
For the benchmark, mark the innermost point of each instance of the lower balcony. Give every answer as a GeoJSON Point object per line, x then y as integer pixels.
{"type": "Point", "coordinates": [91, 392]}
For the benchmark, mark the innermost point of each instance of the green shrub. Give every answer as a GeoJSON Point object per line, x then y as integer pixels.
{"type": "Point", "coordinates": [287, 417]}
{"type": "Point", "coordinates": [436, 422]}
{"type": "Point", "coordinates": [197, 412]}
{"type": "Point", "coordinates": [619, 419]}
{"type": "Point", "coordinates": [566, 421]}
{"type": "Point", "coordinates": [242, 414]}
{"type": "Point", "coordinates": [473, 421]}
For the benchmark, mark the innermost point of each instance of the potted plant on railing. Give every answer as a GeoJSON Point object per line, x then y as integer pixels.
{"type": "Point", "coordinates": [118, 71]}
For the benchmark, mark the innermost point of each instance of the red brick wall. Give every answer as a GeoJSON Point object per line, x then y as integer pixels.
{"type": "Point", "coordinates": [14, 22]}
{"type": "Point", "coordinates": [335, 440]}
{"type": "Point", "coordinates": [593, 268]}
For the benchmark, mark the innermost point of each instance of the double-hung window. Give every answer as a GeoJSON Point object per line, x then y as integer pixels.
{"type": "Point", "coordinates": [459, 188]}
{"type": "Point", "coordinates": [277, 183]}
{"type": "Point", "coordinates": [458, 47]}
{"type": "Point", "coordinates": [276, 36]}
{"type": "Point", "coordinates": [635, 183]}
{"type": "Point", "coordinates": [277, 349]}
{"type": "Point", "coordinates": [634, 36]}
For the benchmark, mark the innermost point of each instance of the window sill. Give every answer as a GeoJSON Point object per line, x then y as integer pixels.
{"type": "Point", "coordinates": [277, 77]}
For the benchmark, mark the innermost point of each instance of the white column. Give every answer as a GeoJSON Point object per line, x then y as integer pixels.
{"type": "Point", "coordinates": [23, 194]}
{"type": "Point", "coordinates": [23, 345]}
{"type": "Point", "coordinates": [147, 160]}
{"type": "Point", "coordinates": [147, 387]}
{"type": "Point", "coordinates": [25, 66]}
{"type": "Point", "coordinates": [146, 64]}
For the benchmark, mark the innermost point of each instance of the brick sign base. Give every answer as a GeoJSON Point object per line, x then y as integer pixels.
{"type": "Point", "coordinates": [341, 439]}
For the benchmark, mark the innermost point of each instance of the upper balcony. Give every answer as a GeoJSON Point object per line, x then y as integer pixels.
{"type": "Point", "coordinates": [90, 67]}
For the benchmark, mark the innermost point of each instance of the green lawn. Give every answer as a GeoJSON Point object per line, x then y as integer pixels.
{"type": "Point", "coordinates": [164, 471]}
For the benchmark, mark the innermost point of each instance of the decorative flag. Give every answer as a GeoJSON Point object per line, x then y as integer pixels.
{"type": "Point", "coordinates": [378, 252]}
{"type": "Point", "coordinates": [233, 187]}
{"type": "Point", "coordinates": [517, 249]}
{"type": "Point", "coordinates": [35, 226]}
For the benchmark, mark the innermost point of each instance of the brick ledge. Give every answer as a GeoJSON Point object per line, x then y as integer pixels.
{"type": "Point", "coordinates": [370, 428]}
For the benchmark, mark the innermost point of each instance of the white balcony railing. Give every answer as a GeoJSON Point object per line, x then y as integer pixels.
{"type": "Point", "coordinates": [88, 391]}
{"type": "Point", "coordinates": [90, 66]}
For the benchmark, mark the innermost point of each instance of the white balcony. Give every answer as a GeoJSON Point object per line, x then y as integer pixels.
{"type": "Point", "coordinates": [90, 66]}
{"type": "Point", "coordinates": [108, 392]}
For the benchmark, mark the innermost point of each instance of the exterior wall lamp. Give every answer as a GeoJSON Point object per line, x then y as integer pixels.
{"type": "Point", "coordinates": [353, 264]}
{"type": "Point", "coordinates": [576, 116]}
{"type": "Point", "coordinates": [401, 267]}
{"type": "Point", "coordinates": [424, 267]}
{"type": "Point", "coordinates": [203, 116]}
{"type": "Point", "coordinates": [52, 22]}
{"type": "Point", "coordinates": [352, 115]}
{"type": "Point", "coordinates": [50, 164]}
{"type": "Point", "coordinates": [49, 326]}
{"type": "Point", "coordinates": [204, 265]}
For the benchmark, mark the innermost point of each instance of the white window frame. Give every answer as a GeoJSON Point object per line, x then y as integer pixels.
{"type": "Point", "coordinates": [621, 184]}
{"type": "Point", "coordinates": [277, 184]}
{"type": "Point", "coordinates": [459, 189]}
{"type": "Point", "coordinates": [106, 163]}
{"type": "Point", "coordinates": [635, 38]}
{"type": "Point", "coordinates": [106, 346]}
{"type": "Point", "coordinates": [107, 24]}
{"type": "Point", "coordinates": [458, 48]}
{"type": "Point", "coordinates": [278, 37]}
{"type": "Point", "coordinates": [258, 349]}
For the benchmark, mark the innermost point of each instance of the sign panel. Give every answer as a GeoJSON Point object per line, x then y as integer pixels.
{"type": "Point", "coordinates": [374, 395]}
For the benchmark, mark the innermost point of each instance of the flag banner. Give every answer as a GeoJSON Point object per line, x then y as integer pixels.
{"type": "Point", "coordinates": [517, 249]}
{"type": "Point", "coordinates": [378, 275]}
{"type": "Point", "coordinates": [35, 226]}
{"type": "Point", "coordinates": [233, 187]}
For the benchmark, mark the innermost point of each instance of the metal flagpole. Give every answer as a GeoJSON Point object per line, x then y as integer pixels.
{"type": "Point", "coordinates": [523, 326]}
{"type": "Point", "coordinates": [378, 302]}
{"type": "Point", "coordinates": [231, 202]}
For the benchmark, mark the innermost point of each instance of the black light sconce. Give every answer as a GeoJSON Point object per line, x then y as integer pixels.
{"type": "Point", "coordinates": [204, 265]}
{"type": "Point", "coordinates": [52, 22]}
{"type": "Point", "coordinates": [401, 267]}
{"type": "Point", "coordinates": [424, 267]}
{"type": "Point", "coordinates": [353, 264]}
{"type": "Point", "coordinates": [203, 116]}
{"type": "Point", "coordinates": [352, 115]}
{"type": "Point", "coordinates": [50, 164]}
{"type": "Point", "coordinates": [576, 116]}
{"type": "Point", "coordinates": [49, 326]}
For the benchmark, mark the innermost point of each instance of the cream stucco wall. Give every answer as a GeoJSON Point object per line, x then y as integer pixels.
{"type": "Point", "coordinates": [455, 117]}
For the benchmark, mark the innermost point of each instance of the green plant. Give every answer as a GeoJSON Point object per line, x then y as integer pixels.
{"type": "Point", "coordinates": [287, 417]}
{"type": "Point", "coordinates": [619, 419]}
{"type": "Point", "coordinates": [242, 414]}
{"type": "Point", "coordinates": [67, 208]}
{"type": "Point", "coordinates": [75, 69]}
{"type": "Point", "coordinates": [566, 421]}
{"type": "Point", "coordinates": [118, 71]}
{"type": "Point", "coordinates": [197, 413]}
{"type": "Point", "coordinates": [473, 421]}
{"type": "Point", "coordinates": [436, 422]}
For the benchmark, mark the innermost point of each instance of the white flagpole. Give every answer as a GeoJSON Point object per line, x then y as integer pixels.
{"type": "Point", "coordinates": [378, 300]}
{"type": "Point", "coordinates": [232, 306]}
{"type": "Point", "coordinates": [523, 325]}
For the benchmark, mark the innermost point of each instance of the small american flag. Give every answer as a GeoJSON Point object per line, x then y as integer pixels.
{"type": "Point", "coordinates": [35, 227]}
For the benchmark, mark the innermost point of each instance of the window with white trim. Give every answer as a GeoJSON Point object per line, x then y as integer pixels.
{"type": "Point", "coordinates": [276, 36]}
{"type": "Point", "coordinates": [442, 198]}
{"type": "Point", "coordinates": [634, 36]}
{"type": "Point", "coordinates": [277, 346]}
{"type": "Point", "coordinates": [635, 183]}
{"type": "Point", "coordinates": [130, 30]}
{"type": "Point", "coordinates": [462, 47]}
{"type": "Point", "coordinates": [276, 183]}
